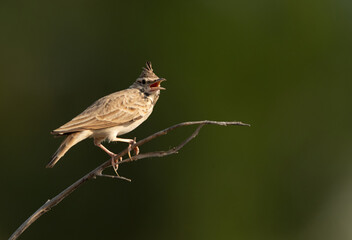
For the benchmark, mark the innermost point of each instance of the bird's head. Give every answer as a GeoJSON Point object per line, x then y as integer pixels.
{"type": "Point", "coordinates": [148, 82]}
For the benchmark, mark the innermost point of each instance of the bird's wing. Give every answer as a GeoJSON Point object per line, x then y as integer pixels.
{"type": "Point", "coordinates": [113, 110]}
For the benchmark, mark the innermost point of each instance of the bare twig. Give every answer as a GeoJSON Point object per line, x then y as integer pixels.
{"type": "Point", "coordinates": [98, 171]}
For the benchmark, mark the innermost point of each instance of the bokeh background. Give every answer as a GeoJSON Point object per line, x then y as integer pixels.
{"type": "Point", "coordinates": [282, 66]}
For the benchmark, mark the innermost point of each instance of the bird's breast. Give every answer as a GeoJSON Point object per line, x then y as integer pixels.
{"type": "Point", "coordinates": [110, 133]}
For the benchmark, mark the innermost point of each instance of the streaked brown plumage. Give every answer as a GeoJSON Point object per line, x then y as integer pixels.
{"type": "Point", "coordinates": [112, 115]}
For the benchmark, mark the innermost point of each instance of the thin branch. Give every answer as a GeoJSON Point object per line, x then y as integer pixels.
{"type": "Point", "coordinates": [113, 176]}
{"type": "Point", "coordinates": [98, 171]}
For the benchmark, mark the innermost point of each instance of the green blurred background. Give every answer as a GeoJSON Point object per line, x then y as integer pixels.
{"type": "Point", "coordinates": [282, 66]}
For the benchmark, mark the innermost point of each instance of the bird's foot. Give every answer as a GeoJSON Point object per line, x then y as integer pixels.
{"type": "Point", "coordinates": [136, 149]}
{"type": "Point", "coordinates": [115, 163]}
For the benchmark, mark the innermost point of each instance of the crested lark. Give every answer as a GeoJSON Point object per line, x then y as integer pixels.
{"type": "Point", "coordinates": [112, 115]}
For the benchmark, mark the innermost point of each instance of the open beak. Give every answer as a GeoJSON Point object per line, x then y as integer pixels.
{"type": "Point", "coordinates": [156, 84]}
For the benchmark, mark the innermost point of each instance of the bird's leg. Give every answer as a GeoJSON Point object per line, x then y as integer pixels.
{"type": "Point", "coordinates": [111, 154]}
{"type": "Point", "coordinates": [131, 142]}
{"type": "Point", "coordinates": [114, 163]}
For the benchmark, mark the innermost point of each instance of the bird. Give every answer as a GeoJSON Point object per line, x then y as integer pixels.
{"type": "Point", "coordinates": [111, 116]}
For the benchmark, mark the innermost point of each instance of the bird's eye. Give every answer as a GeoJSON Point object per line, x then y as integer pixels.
{"type": "Point", "coordinates": [143, 81]}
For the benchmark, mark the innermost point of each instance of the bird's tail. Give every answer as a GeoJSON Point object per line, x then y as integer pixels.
{"type": "Point", "coordinates": [69, 142]}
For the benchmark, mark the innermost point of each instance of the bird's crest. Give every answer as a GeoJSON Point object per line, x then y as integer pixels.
{"type": "Point", "coordinates": [147, 71]}
{"type": "Point", "coordinates": [148, 66]}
